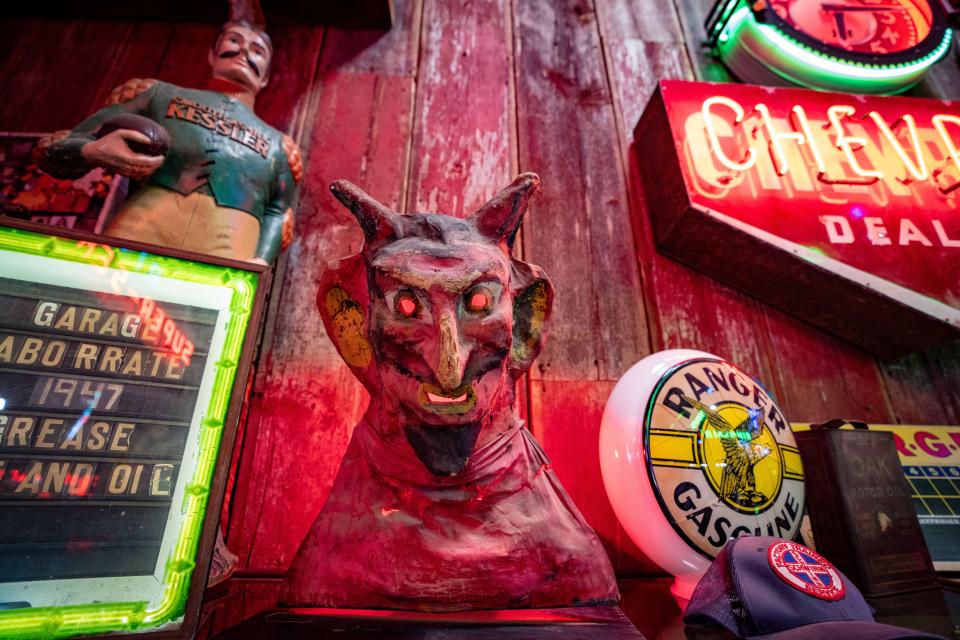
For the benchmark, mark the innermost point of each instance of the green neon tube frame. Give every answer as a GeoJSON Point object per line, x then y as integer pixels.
{"type": "Point", "coordinates": [801, 64]}
{"type": "Point", "coordinates": [67, 621]}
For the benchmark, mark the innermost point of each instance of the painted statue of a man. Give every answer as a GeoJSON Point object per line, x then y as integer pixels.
{"type": "Point", "coordinates": [226, 183]}
{"type": "Point", "coordinates": [444, 500]}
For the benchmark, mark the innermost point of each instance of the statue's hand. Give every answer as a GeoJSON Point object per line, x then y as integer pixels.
{"type": "Point", "coordinates": [113, 152]}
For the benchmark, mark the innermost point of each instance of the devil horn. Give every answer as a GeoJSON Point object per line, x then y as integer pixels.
{"type": "Point", "coordinates": [499, 219]}
{"type": "Point", "coordinates": [376, 220]}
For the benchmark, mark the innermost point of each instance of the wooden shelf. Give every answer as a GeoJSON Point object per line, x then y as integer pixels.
{"type": "Point", "coordinates": [367, 14]}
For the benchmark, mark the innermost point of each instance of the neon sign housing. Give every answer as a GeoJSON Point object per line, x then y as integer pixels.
{"type": "Point", "coordinates": [862, 46]}
{"type": "Point", "coordinates": [839, 209]}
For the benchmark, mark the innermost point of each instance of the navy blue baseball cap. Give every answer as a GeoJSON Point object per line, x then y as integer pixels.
{"type": "Point", "coordinates": [763, 587]}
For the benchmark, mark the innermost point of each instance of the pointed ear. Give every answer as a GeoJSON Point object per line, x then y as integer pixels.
{"type": "Point", "coordinates": [499, 219]}
{"type": "Point", "coordinates": [377, 221]}
{"type": "Point", "coordinates": [532, 304]}
{"type": "Point", "coordinates": [343, 301]}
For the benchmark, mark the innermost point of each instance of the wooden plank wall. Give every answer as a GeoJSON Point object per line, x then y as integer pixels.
{"type": "Point", "coordinates": [438, 114]}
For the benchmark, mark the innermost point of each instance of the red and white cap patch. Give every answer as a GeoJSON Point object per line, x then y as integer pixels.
{"type": "Point", "coordinates": [805, 570]}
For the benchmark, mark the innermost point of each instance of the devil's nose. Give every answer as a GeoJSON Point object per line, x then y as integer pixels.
{"type": "Point", "coordinates": [452, 358]}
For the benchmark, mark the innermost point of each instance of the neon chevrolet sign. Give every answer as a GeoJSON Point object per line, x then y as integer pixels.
{"type": "Point", "coordinates": [865, 188]}
{"type": "Point", "coordinates": [839, 145]}
{"type": "Point", "coordinates": [841, 119]}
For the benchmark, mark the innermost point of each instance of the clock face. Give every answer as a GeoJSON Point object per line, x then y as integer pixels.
{"type": "Point", "coordinates": [863, 26]}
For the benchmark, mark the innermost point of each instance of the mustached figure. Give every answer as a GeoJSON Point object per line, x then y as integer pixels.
{"type": "Point", "coordinates": [443, 501]}
{"type": "Point", "coordinates": [216, 179]}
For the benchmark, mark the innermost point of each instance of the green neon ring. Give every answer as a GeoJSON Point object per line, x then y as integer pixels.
{"type": "Point", "coordinates": [799, 63]}
{"type": "Point", "coordinates": [67, 621]}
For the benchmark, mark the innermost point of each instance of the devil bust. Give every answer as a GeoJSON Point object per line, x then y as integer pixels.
{"type": "Point", "coordinates": [443, 501]}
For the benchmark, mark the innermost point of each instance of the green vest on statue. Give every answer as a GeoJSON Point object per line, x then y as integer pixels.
{"type": "Point", "coordinates": [219, 147]}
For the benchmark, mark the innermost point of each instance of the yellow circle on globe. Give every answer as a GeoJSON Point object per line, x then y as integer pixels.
{"type": "Point", "coordinates": [739, 456]}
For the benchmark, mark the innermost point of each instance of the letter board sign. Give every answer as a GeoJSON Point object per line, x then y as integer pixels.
{"type": "Point", "coordinates": [119, 371]}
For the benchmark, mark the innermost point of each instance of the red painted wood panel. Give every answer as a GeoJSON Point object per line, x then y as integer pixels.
{"type": "Point", "coordinates": [578, 229]}
{"type": "Point", "coordinates": [463, 134]}
{"type": "Point", "coordinates": [185, 61]}
{"type": "Point", "coordinates": [141, 56]}
{"type": "Point", "coordinates": [628, 21]}
{"type": "Point", "coordinates": [237, 600]}
{"type": "Point", "coordinates": [15, 38]}
{"type": "Point", "coordinates": [305, 401]}
{"type": "Point", "coordinates": [49, 86]}
{"type": "Point", "coordinates": [259, 595]}
{"type": "Point", "coordinates": [924, 388]}
{"type": "Point", "coordinates": [817, 377]}
{"type": "Point", "coordinates": [394, 52]}
{"type": "Point", "coordinates": [221, 611]}
{"type": "Point", "coordinates": [289, 100]}
{"type": "Point", "coordinates": [287, 103]}
{"type": "Point", "coordinates": [692, 311]}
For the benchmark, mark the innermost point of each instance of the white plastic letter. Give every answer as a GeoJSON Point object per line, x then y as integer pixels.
{"type": "Point", "coordinates": [909, 232]}
{"type": "Point", "coordinates": [838, 229]}
{"type": "Point", "coordinates": [945, 240]}
{"type": "Point", "coordinates": [876, 232]}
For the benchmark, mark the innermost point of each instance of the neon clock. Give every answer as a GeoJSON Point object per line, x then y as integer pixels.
{"type": "Point", "coordinates": [860, 46]}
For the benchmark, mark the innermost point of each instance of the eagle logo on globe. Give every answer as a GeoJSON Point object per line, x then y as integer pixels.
{"type": "Point", "coordinates": [721, 455]}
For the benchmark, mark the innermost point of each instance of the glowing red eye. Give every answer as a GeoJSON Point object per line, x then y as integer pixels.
{"type": "Point", "coordinates": [406, 306]}
{"type": "Point", "coordinates": [478, 301]}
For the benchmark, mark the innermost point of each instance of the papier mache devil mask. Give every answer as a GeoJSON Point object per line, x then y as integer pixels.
{"type": "Point", "coordinates": [437, 319]}
{"type": "Point", "coordinates": [444, 500]}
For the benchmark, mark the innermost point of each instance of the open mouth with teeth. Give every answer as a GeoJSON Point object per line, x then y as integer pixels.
{"type": "Point", "coordinates": [435, 399]}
